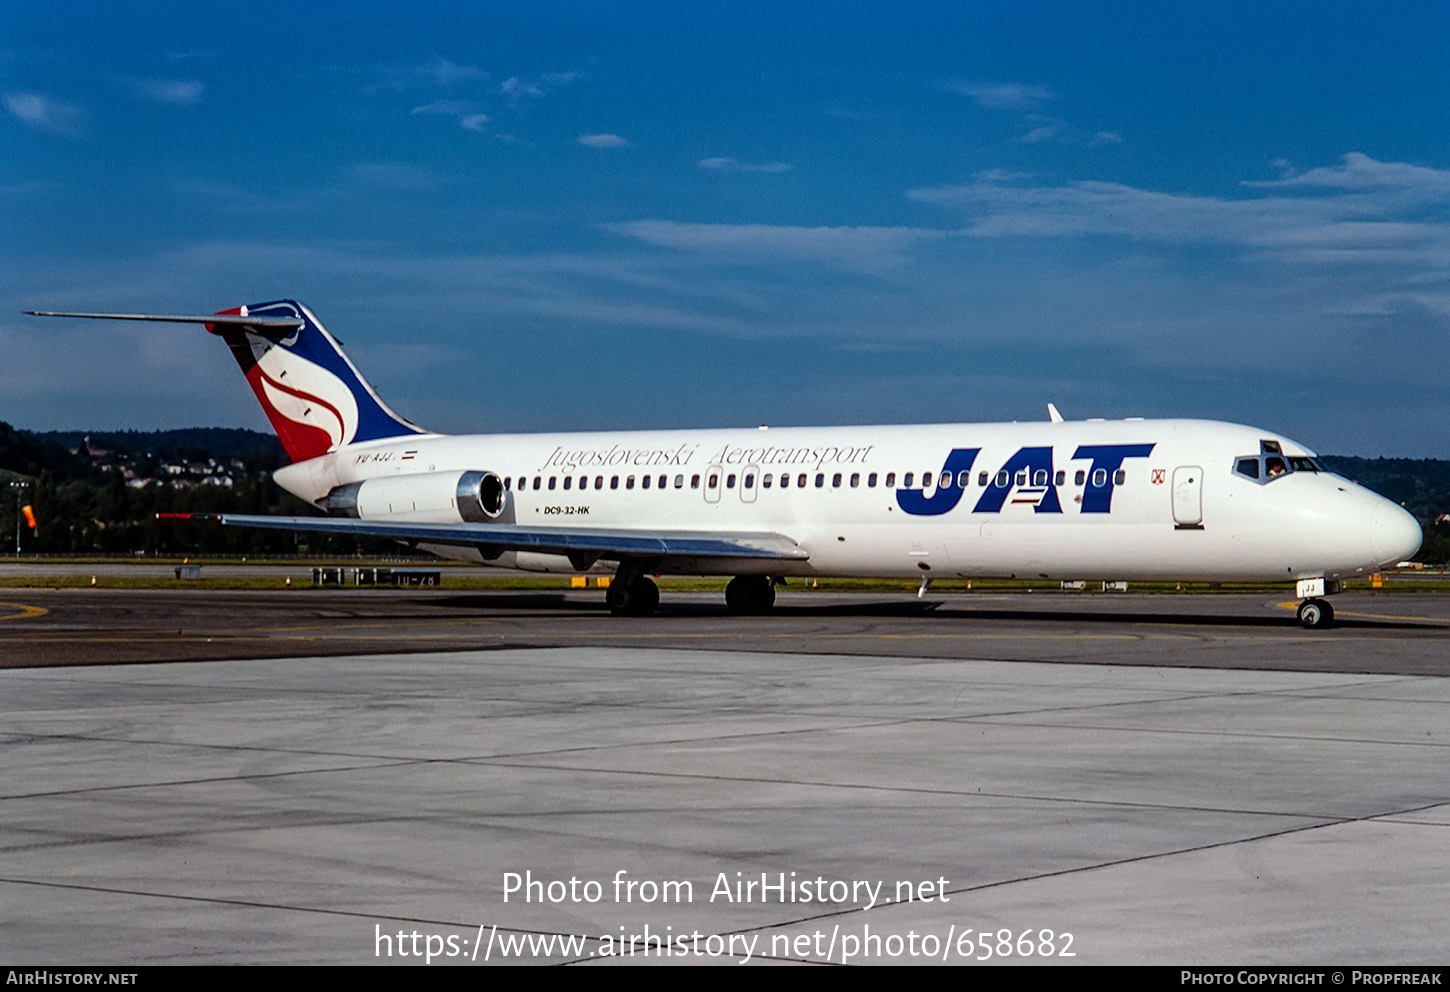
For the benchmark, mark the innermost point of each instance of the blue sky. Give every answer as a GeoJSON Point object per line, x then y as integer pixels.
{"type": "Point", "coordinates": [629, 215]}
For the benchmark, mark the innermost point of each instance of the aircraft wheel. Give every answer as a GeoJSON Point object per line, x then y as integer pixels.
{"type": "Point", "coordinates": [1315, 614]}
{"type": "Point", "coordinates": [646, 597]}
{"type": "Point", "coordinates": [639, 598]}
{"type": "Point", "coordinates": [617, 597]}
{"type": "Point", "coordinates": [750, 594]}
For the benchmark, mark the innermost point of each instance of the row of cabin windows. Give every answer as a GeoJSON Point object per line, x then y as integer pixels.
{"type": "Point", "coordinates": [962, 480]}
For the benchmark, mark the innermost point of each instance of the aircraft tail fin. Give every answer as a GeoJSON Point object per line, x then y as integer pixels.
{"type": "Point", "coordinates": [315, 398]}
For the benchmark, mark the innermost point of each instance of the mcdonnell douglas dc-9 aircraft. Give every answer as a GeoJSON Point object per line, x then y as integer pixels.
{"type": "Point", "coordinates": [1146, 500]}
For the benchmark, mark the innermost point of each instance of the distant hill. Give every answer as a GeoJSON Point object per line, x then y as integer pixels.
{"type": "Point", "coordinates": [1420, 485]}
{"type": "Point", "coordinates": [257, 450]}
{"type": "Point", "coordinates": [23, 453]}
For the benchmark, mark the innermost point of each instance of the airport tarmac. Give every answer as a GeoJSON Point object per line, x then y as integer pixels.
{"type": "Point", "coordinates": [206, 777]}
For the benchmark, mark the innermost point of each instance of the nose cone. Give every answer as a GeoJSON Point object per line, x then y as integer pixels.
{"type": "Point", "coordinates": [1394, 535]}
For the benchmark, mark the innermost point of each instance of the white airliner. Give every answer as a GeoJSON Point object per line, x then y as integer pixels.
{"type": "Point", "coordinates": [1146, 500]}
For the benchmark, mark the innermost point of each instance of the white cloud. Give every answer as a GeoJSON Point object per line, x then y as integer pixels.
{"type": "Point", "coordinates": [1360, 172]}
{"type": "Point", "coordinates": [516, 87]}
{"type": "Point", "coordinates": [469, 115]}
{"type": "Point", "coordinates": [393, 175]}
{"type": "Point", "coordinates": [448, 73]}
{"type": "Point", "coordinates": [602, 140]}
{"type": "Point", "coordinates": [733, 165]}
{"type": "Point", "coordinates": [44, 113]}
{"type": "Point", "coordinates": [1002, 96]}
{"type": "Point", "coordinates": [859, 248]}
{"type": "Point", "coordinates": [176, 92]}
{"type": "Point", "coordinates": [1364, 211]}
{"type": "Point", "coordinates": [437, 72]}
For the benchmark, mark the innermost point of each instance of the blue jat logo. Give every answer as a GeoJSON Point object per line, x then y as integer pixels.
{"type": "Point", "coordinates": [1027, 477]}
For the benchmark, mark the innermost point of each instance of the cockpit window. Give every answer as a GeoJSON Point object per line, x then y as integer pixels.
{"type": "Point", "coordinates": [1270, 448]}
{"type": "Point", "coordinates": [1270, 466]}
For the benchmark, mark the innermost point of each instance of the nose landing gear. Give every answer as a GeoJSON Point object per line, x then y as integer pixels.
{"type": "Point", "coordinates": [1314, 612]}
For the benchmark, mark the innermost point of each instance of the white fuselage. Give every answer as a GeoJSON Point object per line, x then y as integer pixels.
{"type": "Point", "coordinates": [1133, 499]}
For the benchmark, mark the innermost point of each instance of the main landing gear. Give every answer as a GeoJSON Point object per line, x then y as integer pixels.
{"type": "Point", "coordinates": [750, 594]}
{"type": "Point", "coordinates": [632, 596]}
{"type": "Point", "coordinates": [1314, 612]}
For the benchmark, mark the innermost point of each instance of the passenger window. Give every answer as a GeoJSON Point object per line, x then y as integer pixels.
{"type": "Point", "coordinates": [568, 481]}
{"type": "Point", "coordinates": [836, 481]}
{"type": "Point", "coordinates": [629, 482]}
{"type": "Point", "coordinates": [614, 482]}
{"type": "Point", "coordinates": [1079, 477]}
{"type": "Point", "coordinates": [945, 481]}
{"type": "Point", "coordinates": [714, 480]}
{"type": "Point", "coordinates": [506, 480]}
{"type": "Point", "coordinates": [552, 480]}
{"type": "Point", "coordinates": [1039, 478]}
{"type": "Point", "coordinates": [871, 481]}
{"type": "Point", "coordinates": [765, 480]}
{"type": "Point", "coordinates": [663, 479]}
{"type": "Point", "coordinates": [855, 479]}
{"type": "Point", "coordinates": [1060, 478]}
{"type": "Point", "coordinates": [890, 480]}
{"type": "Point", "coordinates": [730, 481]}
{"type": "Point", "coordinates": [644, 482]}
{"type": "Point", "coordinates": [982, 478]}
{"type": "Point", "coordinates": [679, 482]}
{"type": "Point", "coordinates": [1003, 479]}
{"type": "Point", "coordinates": [749, 481]}
{"type": "Point", "coordinates": [538, 482]}
{"type": "Point", "coordinates": [1021, 478]}
{"type": "Point", "coordinates": [1100, 477]}
{"type": "Point", "coordinates": [694, 482]}
{"type": "Point", "coordinates": [583, 482]}
{"type": "Point", "coordinates": [906, 482]}
{"type": "Point", "coordinates": [964, 479]}
{"type": "Point", "coordinates": [785, 480]}
{"type": "Point", "coordinates": [1120, 476]}
{"type": "Point", "coordinates": [599, 482]}
{"type": "Point", "coordinates": [820, 479]}
{"type": "Point", "coordinates": [800, 481]}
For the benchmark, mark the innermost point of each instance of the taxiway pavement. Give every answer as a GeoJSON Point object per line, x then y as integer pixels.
{"type": "Point", "coordinates": [1171, 780]}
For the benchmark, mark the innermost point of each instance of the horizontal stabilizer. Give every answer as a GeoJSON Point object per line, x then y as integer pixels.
{"type": "Point", "coordinates": [228, 319]}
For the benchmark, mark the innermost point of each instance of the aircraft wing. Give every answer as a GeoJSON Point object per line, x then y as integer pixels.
{"type": "Point", "coordinates": [582, 543]}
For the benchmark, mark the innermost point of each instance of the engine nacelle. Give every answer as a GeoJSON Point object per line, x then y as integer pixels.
{"type": "Point", "coordinates": [425, 497]}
